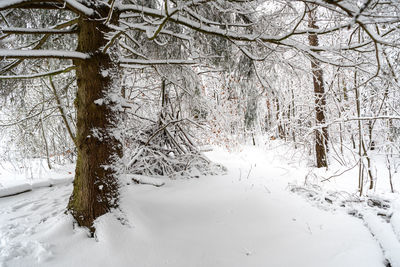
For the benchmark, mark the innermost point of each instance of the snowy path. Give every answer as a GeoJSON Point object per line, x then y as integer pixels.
{"type": "Point", "coordinates": [245, 218]}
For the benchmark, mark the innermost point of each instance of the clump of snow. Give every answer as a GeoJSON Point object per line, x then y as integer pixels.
{"type": "Point", "coordinates": [99, 101]}
{"type": "Point", "coordinates": [96, 133]}
{"type": "Point", "coordinates": [104, 73]}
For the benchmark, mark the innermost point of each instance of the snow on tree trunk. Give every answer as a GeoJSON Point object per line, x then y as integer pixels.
{"type": "Point", "coordinates": [95, 186]}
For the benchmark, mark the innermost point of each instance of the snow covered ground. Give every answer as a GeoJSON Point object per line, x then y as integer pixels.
{"type": "Point", "coordinates": [31, 174]}
{"type": "Point", "coordinates": [258, 214]}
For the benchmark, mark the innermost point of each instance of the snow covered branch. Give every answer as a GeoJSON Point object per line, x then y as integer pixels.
{"type": "Point", "coordinates": [29, 4]}
{"type": "Point", "coordinates": [158, 61]}
{"type": "Point", "coordinates": [37, 31]}
{"type": "Point", "coordinates": [200, 27]}
{"type": "Point", "coordinates": [73, 5]}
{"type": "Point", "coordinates": [24, 54]}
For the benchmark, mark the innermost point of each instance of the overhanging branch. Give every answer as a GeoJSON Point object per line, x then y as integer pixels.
{"type": "Point", "coordinates": [157, 61]}
{"type": "Point", "coordinates": [37, 31]}
{"type": "Point", "coordinates": [38, 75]}
{"type": "Point", "coordinates": [26, 54]}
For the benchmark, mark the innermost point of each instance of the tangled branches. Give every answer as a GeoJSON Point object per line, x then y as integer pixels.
{"type": "Point", "coordinates": [165, 147]}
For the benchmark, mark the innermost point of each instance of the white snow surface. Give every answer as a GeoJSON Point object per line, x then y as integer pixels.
{"type": "Point", "coordinates": [31, 174]}
{"type": "Point", "coordinates": [248, 217]}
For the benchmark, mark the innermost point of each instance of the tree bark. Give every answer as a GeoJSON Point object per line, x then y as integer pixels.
{"type": "Point", "coordinates": [95, 186]}
{"type": "Point", "coordinates": [321, 135]}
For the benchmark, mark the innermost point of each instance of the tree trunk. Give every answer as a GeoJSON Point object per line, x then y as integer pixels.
{"type": "Point", "coordinates": [321, 135]}
{"type": "Point", "coordinates": [278, 116]}
{"type": "Point", "coordinates": [95, 186]}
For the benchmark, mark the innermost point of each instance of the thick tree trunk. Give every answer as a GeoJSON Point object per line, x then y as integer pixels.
{"type": "Point", "coordinates": [321, 135]}
{"type": "Point", "coordinates": [95, 186]}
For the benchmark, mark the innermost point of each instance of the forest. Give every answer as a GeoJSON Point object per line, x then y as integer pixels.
{"type": "Point", "coordinates": [199, 133]}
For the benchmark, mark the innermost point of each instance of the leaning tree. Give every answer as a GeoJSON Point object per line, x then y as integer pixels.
{"type": "Point", "coordinates": [96, 28]}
